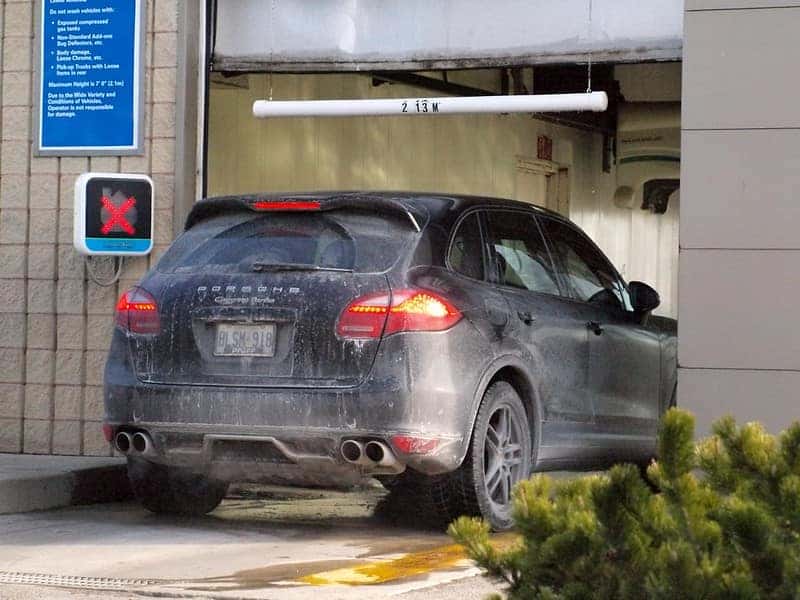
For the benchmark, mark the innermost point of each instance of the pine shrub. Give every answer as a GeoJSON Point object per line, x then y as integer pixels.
{"type": "Point", "coordinates": [715, 519]}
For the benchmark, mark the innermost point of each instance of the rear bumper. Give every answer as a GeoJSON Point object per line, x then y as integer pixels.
{"type": "Point", "coordinates": [307, 426]}
{"type": "Point", "coordinates": [420, 385]}
{"type": "Point", "coordinates": [299, 429]}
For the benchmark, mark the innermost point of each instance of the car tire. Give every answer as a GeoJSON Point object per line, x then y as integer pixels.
{"type": "Point", "coordinates": [489, 473]}
{"type": "Point", "coordinates": [167, 490]}
{"type": "Point", "coordinates": [442, 498]}
{"type": "Point", "coordinates": [424, 500]}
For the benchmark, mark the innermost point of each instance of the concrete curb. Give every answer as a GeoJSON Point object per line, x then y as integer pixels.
{"type": "Point", "coordinates": [29, 482]}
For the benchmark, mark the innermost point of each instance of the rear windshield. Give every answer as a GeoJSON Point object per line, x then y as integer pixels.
{"type": "Point", "coordinates": [356, 240]}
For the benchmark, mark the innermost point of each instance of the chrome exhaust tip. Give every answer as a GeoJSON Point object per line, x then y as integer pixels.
{"type": "Point", "coordinates": [352, 451]}
{"type": "Point", "coordinates": [381, 454]}
{"type": "Point", "coordinates": [123, 442]}
{"type": "Point", "coordinates": [141, 443]}
{"type": "Point", "coordinates": [375, 451]}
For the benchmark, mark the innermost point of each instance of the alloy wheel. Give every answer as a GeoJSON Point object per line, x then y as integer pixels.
{"type": "Point", "coordinates": [502, 457]}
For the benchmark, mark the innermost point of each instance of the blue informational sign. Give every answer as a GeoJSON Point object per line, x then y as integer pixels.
{"type": "Point", "coordinates": [90, 77]}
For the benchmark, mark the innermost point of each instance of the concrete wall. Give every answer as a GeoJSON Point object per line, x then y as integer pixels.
{"type": "Point", "coordinates": [740, 248]}
{"type": "Point", "coordinates": [457, 154]}
{"type": "Point", "coordinates": [55, 325]}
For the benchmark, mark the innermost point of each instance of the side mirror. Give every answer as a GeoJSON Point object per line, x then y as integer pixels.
{"type": "Point", "coordinates": [643, 298]}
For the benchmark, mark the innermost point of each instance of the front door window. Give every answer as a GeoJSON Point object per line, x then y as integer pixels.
{"type": "Point", "coordinates": [590, 276]}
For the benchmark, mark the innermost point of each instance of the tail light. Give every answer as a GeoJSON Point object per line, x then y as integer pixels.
{"type": "Point", "coordinates": [405, 310]}
{"type": "Point", "coordinates": [137, 312]}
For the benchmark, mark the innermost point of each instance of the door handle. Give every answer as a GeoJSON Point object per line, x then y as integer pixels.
{"type": "Point", "coordinates": [525, 317]}
{"type": "Point", "coordinates": [594, 327]}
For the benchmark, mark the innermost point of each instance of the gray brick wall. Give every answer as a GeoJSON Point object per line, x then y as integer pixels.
{"type": "Point", "coordinates": [55, 324]}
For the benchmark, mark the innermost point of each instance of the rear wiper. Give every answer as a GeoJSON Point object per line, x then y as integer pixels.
{"type": "Point", "coordinates": [259, 266]}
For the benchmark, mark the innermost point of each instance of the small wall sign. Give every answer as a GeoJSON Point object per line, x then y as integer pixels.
{"type": "Point", "coordinates": [544, 148]}
{"type": "Point", "coordinates": [113, 214]}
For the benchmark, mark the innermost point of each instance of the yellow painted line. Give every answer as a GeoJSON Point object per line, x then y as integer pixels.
{"type": "Point", "coordinates": [409, 565]}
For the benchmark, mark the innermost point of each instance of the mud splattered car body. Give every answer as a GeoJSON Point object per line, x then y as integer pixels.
{"type": "Point", "coordinates": [330, 337]}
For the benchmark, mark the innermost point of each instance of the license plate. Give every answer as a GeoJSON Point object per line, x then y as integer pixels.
{"type": "Point", "coordinates": [245, 340]}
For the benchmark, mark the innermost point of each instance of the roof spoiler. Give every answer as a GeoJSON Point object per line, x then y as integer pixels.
{"type": "Point", "coordinates": [211, 207]}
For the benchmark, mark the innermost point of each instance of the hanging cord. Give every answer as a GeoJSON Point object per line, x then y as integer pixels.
{"type": "Point", "coordinates": [589, 63]}
{"type": "Point", "coordinates": [118, 262]}
{"type": "Point", "coordinates": [271, 44]}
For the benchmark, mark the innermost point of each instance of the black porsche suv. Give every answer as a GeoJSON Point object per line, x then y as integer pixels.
{"type": "Point", "coordinates": [448, 343]}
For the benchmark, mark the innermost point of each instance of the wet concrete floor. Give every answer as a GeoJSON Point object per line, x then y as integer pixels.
{"type": "Point", "coordinates": [266, 542]}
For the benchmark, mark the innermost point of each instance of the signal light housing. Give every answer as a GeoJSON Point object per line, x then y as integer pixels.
{"type": "Point", "coordinates": [371, 316]}
{"type": "Point", "coordinates": [286, 205]}
{"type": "Point", "coordinates": [137, 312]}
{"type": "Point", "coordinates": [410, 444]}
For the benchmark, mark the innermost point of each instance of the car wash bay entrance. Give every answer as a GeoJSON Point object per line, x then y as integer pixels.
{"type": "Point", "coordinates": [568, 162]}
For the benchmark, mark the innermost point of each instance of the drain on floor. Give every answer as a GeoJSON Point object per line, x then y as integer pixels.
{"type": "Point", "coordinates": [73, 581]}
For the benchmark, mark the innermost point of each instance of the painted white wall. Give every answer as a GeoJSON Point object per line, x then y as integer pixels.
{"type": "Point", "coordinates": [476, 154]}
{"type": "Point", "coordinates": [650, 82]}
{"type": "Point", "coordinates": [642, 245]}
{"type": "Point", "coordinates": [460, 154]}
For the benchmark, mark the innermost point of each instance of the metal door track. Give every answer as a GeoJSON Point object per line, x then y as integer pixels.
{"type": "Point", "coordinates": [74, 581]}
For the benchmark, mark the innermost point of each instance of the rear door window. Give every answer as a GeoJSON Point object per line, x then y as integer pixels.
{"type": "Point", "coordinates": [466, 249]}
{"type": "Point", "coordinates": [519, 254]}
{"type": "Point", "coordinates": [347, 240]}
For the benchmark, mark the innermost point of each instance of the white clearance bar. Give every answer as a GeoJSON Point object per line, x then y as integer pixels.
{"type": "Point", "coordinates": [449, 105]}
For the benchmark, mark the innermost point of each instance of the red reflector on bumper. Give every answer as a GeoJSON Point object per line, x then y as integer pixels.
{"type": "Point", "coordinates": [108, 432]}
{"type": "Point", "coordinates": [409, 444]}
